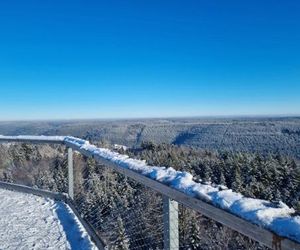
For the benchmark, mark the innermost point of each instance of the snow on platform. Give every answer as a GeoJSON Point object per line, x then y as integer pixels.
{"type": "Point", "coordinates": [32, 222]}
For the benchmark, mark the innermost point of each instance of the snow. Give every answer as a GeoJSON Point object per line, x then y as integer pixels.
{"type": "Point", "coordinates": [32, 222]}
{"type": "Point", "coordinates": [33, 137]}
{"type": "Point", "coordinates": [118, 147]}
{"type": "Point", "coordinates": [278, 218]}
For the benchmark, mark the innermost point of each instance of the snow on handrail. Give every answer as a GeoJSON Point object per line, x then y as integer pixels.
{"type": "Point", "coordinates": [278, 218]}
{"type": "Point", "coordinates": [33, 138]}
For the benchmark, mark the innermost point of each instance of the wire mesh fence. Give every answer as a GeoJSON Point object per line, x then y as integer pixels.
{"type": "Point", "coordinates": [124, 213]}
{"type": "Point", "coordinates": [199, 232]}
{"type": "Point", "coordinates": [128, 215]}
{"type": "Point", "coordinates": [40, 166]}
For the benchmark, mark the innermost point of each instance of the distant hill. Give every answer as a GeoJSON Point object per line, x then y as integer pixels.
{"type": "Point", "coordinates": [265, 135]}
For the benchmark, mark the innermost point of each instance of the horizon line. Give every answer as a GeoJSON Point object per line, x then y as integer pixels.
{"type": "Point", "coordinates": [158, 117]}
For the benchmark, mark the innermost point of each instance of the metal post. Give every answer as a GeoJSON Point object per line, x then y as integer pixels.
{"type": "Point", "coordinates": [70, 174]}
{"type": "Point", "coordinates": [171, 234]}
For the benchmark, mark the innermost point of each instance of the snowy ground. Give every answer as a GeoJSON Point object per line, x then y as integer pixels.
{"type": "Point", "coordinates": [32, 222]}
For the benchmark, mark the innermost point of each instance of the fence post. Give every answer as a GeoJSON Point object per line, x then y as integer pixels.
{"type": "Point", "coordinates": [70, 174]}
{"type": "Point", "coordinates": [170, 217]}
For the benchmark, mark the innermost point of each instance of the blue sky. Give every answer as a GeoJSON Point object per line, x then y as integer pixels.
{"type": "Point", "coordinates": [115, 59]}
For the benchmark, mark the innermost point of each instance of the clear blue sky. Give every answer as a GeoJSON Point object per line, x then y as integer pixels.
{"type": "Point", "coordinates": [149, 58]}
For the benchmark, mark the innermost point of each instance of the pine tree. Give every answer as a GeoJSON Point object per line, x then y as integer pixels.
{"type": "Point", "coordinates": [60, 174]}
{"type": "Point", "coordinates": [122, 241]}
{"type": "Point", "coordinates": [195, 236]}
{"type": "Point", "coordinates": [237, 181]}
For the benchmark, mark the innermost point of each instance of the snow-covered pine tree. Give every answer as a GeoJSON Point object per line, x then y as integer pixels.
{"type": "Point", "coordinates": [60, 174]}
{"type": "Point", "coordinates": [122, 241]}
{"type": "Point", "coordinates": [195, 236]}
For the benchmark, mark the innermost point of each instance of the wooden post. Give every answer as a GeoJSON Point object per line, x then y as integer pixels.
{"type": "Point", "coordinates": [170, 217]}
{"type": "Point", "coordinates": [70, 174]}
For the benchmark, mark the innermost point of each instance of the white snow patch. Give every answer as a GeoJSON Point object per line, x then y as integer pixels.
{"type": "Point", "coordinates": [33, 137]}
{"type": "Point", "coordinates": [119, 147]}
{"type": "Point", "coordinates": [32, 222]}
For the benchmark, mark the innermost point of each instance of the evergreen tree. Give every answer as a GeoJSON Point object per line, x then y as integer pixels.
{"type": "Point", "coordinates": [195, 236]}
{"type": "Point", "coordinates": [237, 181]}
{"type": "Point", "coordinates": [122, 241]}
{"type": "Point", "coordinates": [60, 174]}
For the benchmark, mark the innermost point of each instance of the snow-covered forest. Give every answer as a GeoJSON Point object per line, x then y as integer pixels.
{"type": "Point", "coordinates": [262, 135]}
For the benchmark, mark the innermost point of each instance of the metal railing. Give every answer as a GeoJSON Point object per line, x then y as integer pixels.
{"type": "Point", "coordinates": [167, 216]}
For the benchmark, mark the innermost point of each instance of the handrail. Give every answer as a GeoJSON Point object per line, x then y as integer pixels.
{"type": "Point", "coordinates": [255, 232]}
{"type": "Point", "coordinates": [33, 139]}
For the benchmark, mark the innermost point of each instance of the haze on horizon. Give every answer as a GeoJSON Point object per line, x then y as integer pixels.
{"type": "Point", "coordinates": [96, 59]}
